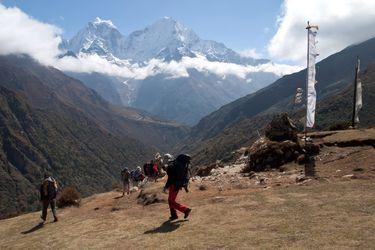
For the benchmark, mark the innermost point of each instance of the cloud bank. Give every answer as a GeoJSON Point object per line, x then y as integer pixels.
{"type": "Point", "coordinates": [341, 22]}
{"type": "Point", "coordinates": [21, 34]}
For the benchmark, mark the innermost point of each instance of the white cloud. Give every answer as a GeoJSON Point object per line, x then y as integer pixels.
{"type": "Point", "coordinates": [202, 64]}
{"type": "Point", "coordinates": [21, 34]}
{"type": "Point", "coordinates": [341, 23]}
{"type": "Point", "coordinates": [251, 53]}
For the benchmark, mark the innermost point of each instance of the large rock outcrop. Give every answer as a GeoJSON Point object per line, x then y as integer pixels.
{"type": "Point", "coordinates": [279, 146]}
{"type": "Point", "coordinates": [281, 128]}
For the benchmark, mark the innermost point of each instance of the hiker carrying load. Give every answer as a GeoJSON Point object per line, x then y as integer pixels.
{"type": "Point", "coordinates": [158, 160]}
{"type": "Point", "coordinates": [151, 170]}
{"type": "Point", "coordinates": [48, 193]}
{"type": "Point", "coordinates": [137, 176]}
{"type": "Point", "coordinates": [125, 178]}
{"type": "Point", "coordinates": [178, 178]}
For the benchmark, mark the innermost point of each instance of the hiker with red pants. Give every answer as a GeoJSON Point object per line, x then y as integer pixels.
{"type": "Point", "coordinates": [178, 178]}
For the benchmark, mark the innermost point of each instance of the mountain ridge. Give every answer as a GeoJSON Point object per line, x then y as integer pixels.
{"type": "Point", "coordinates": [52, 122]}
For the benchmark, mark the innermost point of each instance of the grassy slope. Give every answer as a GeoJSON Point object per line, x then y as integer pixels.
{"type": "Point", "coordinates": [331, 212]}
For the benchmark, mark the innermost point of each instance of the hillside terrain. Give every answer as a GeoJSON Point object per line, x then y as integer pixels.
{"type": "Point", "coordinates": [273, 209]}
{"type": "Point", "coordinates": [51, 122]}
{"type": "Point", "coordinates": [236, 124]}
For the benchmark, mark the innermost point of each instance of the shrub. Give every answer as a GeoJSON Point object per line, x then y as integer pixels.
{"type": "Point", "coordinates": [69, 196]}
{"type": "Point", "coordinates": [340, 125]}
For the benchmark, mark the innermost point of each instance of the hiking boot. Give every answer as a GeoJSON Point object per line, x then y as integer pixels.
{"type": "Point", "coordinates": [173, 217]}
{"type": "Point", "coordinates": [56, 220]}
{"type": "Point", "coordinates": [187, 212]}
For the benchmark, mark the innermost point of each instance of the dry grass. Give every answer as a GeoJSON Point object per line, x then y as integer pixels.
{"type": "Point", "coordinates": [330, 212]}
{"type": "Point", "coordinates": [339, 215]}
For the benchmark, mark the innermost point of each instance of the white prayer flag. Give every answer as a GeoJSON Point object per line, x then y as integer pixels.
{"type": "Point", "coordinates": [358, 97]}
{"type": "Point", "coordinates": [298, 97]}
{"type": "Point", "coordinates": [311, 93]}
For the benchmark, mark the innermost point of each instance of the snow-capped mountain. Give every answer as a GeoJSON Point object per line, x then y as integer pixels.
{"type": "Point", "coordinates": [197, 94]}
{"type": "Point", "coordinates": [99, 37]}
{"type": "Point", "coordinates": [166, 39]}
{"type": "Point", "coordinates": [170, 40]}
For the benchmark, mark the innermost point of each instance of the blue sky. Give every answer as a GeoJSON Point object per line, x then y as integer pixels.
{"type": "Point", "coordinates": [240, 24]}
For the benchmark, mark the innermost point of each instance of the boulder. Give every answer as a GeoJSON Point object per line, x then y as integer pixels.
{"type": "Point", "coordinates": [147, 198]}
{"type": "Point", "coordinates": [266, 154]}
{"type": "Point", "coordinates": [279, 146]}
{"type": "Point", "coordinates": [206, 170]}
{"type": "Point", "coordinates": [281, 128]}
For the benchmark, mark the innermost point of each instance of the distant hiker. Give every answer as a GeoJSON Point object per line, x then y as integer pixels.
{"type": "Point", "coordinates": [158, 160]}
{"type": "Point", "coordinates": [48, 193]}
{"type": "Point", "coordinates": [155, 170]}
{"type": "Point", "coordinates": [151, 170]}
{"type": "Point", "coordinates": [125, 177]}
{"type": "Point", "coordinates": [146, 168]}
{"type": "Point", "coordinates": [178, 178]}
{"type": "Point", "coordinates": [137, 176]}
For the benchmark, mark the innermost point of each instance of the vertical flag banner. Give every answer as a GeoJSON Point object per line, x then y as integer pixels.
{"type": "Point", "coordinates": [311, 92]}
{"type": "Point", "coordinates": [357, 93]}
{"type": "Point", "coordinates": [298, 97]}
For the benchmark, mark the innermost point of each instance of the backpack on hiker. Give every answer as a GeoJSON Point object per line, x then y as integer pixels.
{"type": "Point", "coordinates": [49, 189]}
{"type": "Point", "coordinates": [136, 174]}
{"type": "Point", "coordinates": [178, 171]}
{"type": "Point", "coordinates": [150, 169]}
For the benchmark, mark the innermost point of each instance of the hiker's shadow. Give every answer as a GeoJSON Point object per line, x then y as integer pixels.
{"type": "Point", "coordinates": [33, 229]}
{"type": "Point", "coordinates": [166, 227]}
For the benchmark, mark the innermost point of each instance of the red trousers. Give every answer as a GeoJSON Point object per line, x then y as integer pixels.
{"type": "Point", "coordinates": [173, 205]}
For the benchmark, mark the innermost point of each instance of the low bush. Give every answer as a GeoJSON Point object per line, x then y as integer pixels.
{"type": "Point", "coordinates": [69, 196]}
{"type": "Point", "coordinates": [340, 125]}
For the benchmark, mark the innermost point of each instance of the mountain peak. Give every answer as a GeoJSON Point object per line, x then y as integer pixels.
{"type": "Point", "coordinates": [164, 22]}
{"type": "Point", "coordinates": [98, 21]}
{"type": "Point", "coordinates": [166, 39]}
{"type": "Point", "coordinates": [97, 37]}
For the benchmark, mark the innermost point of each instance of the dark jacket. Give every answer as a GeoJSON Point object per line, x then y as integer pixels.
{"type": "Point", "coordinates": [48, 189]}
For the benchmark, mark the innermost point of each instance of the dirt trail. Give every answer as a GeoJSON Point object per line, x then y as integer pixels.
{"type": "Point", "coordinates": [336, 210]}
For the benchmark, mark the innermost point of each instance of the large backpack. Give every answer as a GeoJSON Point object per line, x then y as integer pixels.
{"type": "Point", "coordinates": [148, 169]}
{"type": "Point", "coordinates": [136, 175]}
{"type": "Point", "coordinates": [179, 170]}
{"type": "Point", "coordinates": [50, 188]}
